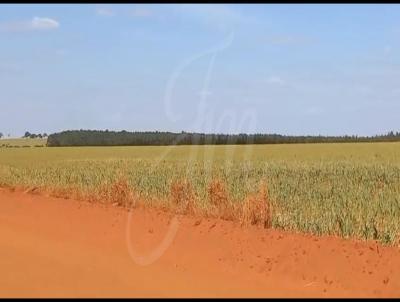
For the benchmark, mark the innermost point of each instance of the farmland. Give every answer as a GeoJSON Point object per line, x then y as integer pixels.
{"type": "Point", "coordinates": [349, 190]}
{"type": "Point", "coordinates": [22, 142]}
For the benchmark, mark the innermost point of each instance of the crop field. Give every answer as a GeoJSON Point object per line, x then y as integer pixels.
{"type": "Point", "coordinates": [349, 190]}
{"type": "Point", "coordinates": [22, 142]}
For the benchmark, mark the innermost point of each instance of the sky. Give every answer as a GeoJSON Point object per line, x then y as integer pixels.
{"type": "Point", "coordinates": [306, 69]}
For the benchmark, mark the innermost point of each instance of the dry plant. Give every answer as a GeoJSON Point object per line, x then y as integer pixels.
{"type": "Point", "coordinates": [256, 208]}
{"type": "Point", "coordinates": [219, 199]}
{"type": "Point", "coordinates": [118, 193]}
{"type": "Point", "coordinates": [183, 197]}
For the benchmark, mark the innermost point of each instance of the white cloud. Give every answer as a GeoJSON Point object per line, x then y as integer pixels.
{"type": "Point", "coordinates": [36, 24]}
{"type": "Point", "coordinates": [275, 80]}
{"type": "Point", "coordinates": [44, 23]}
{"type": "Point", "coordinates": [106, 12]}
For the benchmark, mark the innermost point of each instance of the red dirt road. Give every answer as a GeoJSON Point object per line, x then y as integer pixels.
{"type": "Point", "coordinates": [63, 248]}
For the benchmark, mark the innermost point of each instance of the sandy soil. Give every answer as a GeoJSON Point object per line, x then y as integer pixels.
{"type": "Point", "coordinates": [64, 248]}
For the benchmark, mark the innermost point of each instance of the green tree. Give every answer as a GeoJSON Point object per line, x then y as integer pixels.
{"type": "Point", "coordinates": [124, 138]}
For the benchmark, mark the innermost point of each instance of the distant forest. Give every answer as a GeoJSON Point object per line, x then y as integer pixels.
{"type": "Point", "coordinates": [124, 138]}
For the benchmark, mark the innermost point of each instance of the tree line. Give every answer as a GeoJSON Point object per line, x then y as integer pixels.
{"type": "Point", "coordinates": [29, 135]}
{"type": "Point", "coordinates": [33, 135]}
{"type": "Point", "coordinates": [156, 138]}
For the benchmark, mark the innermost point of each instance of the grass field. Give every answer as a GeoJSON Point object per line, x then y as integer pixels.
{"type": "Point", "coordinates": [350, 190]}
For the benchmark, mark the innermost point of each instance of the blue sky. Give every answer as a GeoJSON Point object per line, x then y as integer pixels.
{"type": "Point", "coordinates": [290, 69]}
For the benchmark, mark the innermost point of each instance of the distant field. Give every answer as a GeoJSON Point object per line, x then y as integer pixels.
{"type": "Point", "coordinates": [357, 152]}
{"type": "Point", "coordinates": [348, 189]}
{"type": "Point", "coordinates": [23, 142]}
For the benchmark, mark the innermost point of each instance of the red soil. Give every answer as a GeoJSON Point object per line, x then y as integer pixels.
{"type": "Point", "coordinates": [63, 248]}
